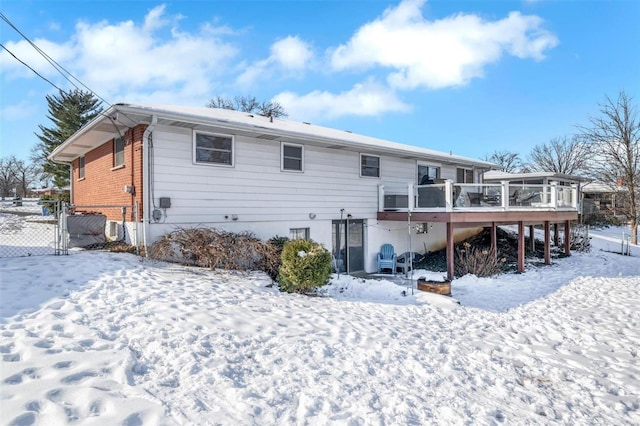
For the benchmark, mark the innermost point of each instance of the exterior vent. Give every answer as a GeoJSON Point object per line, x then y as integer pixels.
{"type": "Point", "coordinates": [113, 229]}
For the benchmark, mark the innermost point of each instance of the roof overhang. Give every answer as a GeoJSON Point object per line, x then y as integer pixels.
{"type": "Point", "coordinates": [120, 117]}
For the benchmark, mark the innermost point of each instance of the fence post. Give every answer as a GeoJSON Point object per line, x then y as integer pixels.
{"type": "Point", "coordinates": [505, 194]}
{"type": "Point", "coordinates": [411, 202]}
{"type": "Point", "coordinates": [554, 195]}
{"type": "Point", "coordinates": [448, 195]}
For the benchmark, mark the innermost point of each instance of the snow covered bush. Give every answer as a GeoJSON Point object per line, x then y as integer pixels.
{"type": "Point", "coordinates": [305, 266]}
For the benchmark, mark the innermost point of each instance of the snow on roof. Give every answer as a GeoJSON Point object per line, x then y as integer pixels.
{"type": "Point", "coordinates": [129, 113]}
{"type": "Point", "coordinates": [500, 175]}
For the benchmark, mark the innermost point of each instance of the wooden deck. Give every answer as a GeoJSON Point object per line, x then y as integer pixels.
{"type": "Point", "coordinates": [493, 218]}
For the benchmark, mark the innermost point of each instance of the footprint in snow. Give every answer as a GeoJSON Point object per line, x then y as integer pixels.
{"type": "Point", "coordinates": [78, 377]}
{"type": "Point", "coordinates": [24, 419]}
{"type": "Point", "coordinates": [11, 357]}
{"type": "Point", "coordinates": [16, 379]}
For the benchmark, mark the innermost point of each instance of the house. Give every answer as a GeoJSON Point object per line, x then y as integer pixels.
{"type": "Point", "coordinates": [187, 166]}
{"type": "Point", "coordinates": [605, 199]}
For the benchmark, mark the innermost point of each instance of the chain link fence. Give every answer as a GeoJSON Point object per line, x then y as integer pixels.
{"type": "Point", "coordinates": [99, 226]}
{"type": "Point", "coordinates": [31, 227]}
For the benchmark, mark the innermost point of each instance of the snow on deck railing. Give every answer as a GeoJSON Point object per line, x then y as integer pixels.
{"type": "Point", "coordinates": [503, 196]}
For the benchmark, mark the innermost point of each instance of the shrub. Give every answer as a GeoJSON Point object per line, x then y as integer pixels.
{"type": "Point", "coordinates": [305, 266]}
{"type": "Point", "coordinates": [217, 249]}
{"type": "Point", "coordinates": [478, 261]}
{"type": "Point", "coordinates": [601, 219]}
{"type": "Point", "coordinates": [49, 201]}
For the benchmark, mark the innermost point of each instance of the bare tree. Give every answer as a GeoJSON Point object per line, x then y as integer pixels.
{"type": "Point", "coordinates": [615, 135]}
{"type": "Point", "coordinates": [570, 156]}
{"type": "Point", "coordinates": [248, 104]}
{"type": "Point", "coordinates": [508, 161]}
{"type": "Point", "coordinates": [25, 175]}
{"type": "Point", "coordinates": [7, 177]}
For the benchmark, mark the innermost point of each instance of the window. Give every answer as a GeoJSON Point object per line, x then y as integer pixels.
{"type": "Point", "coordinates": [118, 152]}
{"type": "Point", "coordinates": [428, 174]}
{"type": "Point", "coordinates": [464, 175]}
{"type": "Point", "coordinates": [292, 157]}
{"type": "Point", "coordinates": [299, 233]}
{"type": "Point", "coordinates": [369, 165]}
{"type": "Point", "coordinates": [213, 149]}
{"type": "Point", "coordinates": [81, 168]}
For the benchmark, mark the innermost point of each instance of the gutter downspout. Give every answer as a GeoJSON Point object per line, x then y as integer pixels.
{"type": "Point", "coordinates": [145, 181]}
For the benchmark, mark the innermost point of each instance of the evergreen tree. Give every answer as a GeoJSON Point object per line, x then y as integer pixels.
{"type": "Point", "coordinates": [69, 111]}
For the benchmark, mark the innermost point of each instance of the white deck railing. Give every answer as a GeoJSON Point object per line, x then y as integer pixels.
{"type": "Point", "coordinates": [503, 196]}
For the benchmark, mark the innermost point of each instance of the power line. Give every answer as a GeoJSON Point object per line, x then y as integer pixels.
{"type": "Point", "coordinates": [60, 70]}
{"type": "Point", "coordinates": [26, 65]}
{"type": "Point", "coordinates": [53, 63]}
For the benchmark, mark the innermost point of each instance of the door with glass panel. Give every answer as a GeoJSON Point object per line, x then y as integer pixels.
{"type": "Point", "coordinates": [348, 245]}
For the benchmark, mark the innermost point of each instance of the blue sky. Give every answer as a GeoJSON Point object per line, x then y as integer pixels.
{"type": "Point", "coordinates": [469, 77]}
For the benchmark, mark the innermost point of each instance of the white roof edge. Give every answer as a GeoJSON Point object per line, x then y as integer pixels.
{"type": "Point", "coordinates": [498, 174]}
{"type": "Point", "coordinates": [84, 129]}
{"type": "Point", "coordinates": [281, 127]}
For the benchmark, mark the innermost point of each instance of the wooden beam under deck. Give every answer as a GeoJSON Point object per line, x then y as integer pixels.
{"type": "Point", "coordinates": [464, 219]}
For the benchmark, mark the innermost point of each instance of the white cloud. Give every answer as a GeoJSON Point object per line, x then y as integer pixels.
{"type": "Point", "coordinates": [439, 53]}
{"type": "Point", "coordinates": [11, 68]}
{"type": "Point", "coordinates": [121, 59]}
{"type": "Point", "coordinates": [124, 57]}
{"type": "Point", "coordinates": [364, 99]}
{"type": "Point", "coordinates": [289, 55]}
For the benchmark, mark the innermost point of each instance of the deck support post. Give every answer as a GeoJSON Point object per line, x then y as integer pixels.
{"type": "Point", "coordinates": [450, 259]}
{"type": "Point", "coordinates": [556, 237]}
{"type": "Point", "coordinates": [532, 238]}
{"type": "Point", "coordinates": [494, 240]}
{"type": "Point", "coordinates": [567, 237]}
{"type": "Point", "coordinates": [547, 244]}
{"type": "Point", "coordinates": [520, 246]}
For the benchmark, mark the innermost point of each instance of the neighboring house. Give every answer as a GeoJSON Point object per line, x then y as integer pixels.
{"type": "Point", "coordinates": [236, 171]}
{"type": "Point", "coordinates": [601, 198]}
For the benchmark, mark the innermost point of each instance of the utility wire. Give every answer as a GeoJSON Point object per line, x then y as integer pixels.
{"type": "Point", "coordinates": [64, 72]}
{"type": "Point", "coordinates": [26, 65]}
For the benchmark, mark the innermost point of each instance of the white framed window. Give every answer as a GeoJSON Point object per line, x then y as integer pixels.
{"type": "Point", "coordinates": [81, 167]}
{"type": "Point", "coordinates": [428, 174]}
{"type": "Point", "coordinates": [214, 149]}
{"type": "Point", "coordinates": [369, 165]}
{"type": "Point", "coordinates": [299, 233]}
{"type": "Point", "coordinates": [118, 152]}
{"type": "Point", "coordinates": [464, 175]}
{"type": "Point", "coordinates": [292, 156]}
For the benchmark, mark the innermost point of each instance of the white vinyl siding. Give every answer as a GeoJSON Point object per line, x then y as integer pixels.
{"type": "Point", "coordinates": [292, 157]}
{"type": "Point", "coordinates": [211, 148]}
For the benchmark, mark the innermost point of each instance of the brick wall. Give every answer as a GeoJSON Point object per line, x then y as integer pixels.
{"type": "Point", "coordinates": [103, 184]}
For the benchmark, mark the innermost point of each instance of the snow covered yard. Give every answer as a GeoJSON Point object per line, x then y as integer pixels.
{"type": "Point", "coordinates": [103, 338]}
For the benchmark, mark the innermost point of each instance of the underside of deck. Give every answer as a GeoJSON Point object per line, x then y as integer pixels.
{"type": "Point", "coordinates": [521, 218]}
